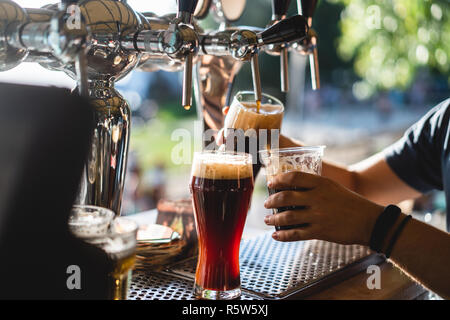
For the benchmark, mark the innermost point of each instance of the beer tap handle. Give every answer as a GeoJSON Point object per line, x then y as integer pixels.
{"type": "Point", "coordinates": [307, 8]}
{"type": "Point", "coordinates": [279, 10]}
{"type": "Point", "coordinates": [186, 10]}
{"type": "Point", "coordinates": [291, 29]}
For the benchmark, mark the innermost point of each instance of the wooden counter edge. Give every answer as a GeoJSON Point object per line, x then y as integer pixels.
{"type": "Point", "coordinates": [395, 285]}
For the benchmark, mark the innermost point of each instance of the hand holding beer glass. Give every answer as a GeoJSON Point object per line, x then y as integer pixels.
{"type": "Point", "coordinates": [221, 187]}
{"type": "Point", "coordinates": [300, 159]}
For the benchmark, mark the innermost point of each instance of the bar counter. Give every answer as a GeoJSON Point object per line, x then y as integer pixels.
{"type": "Point", "coordinates": [293, 270]}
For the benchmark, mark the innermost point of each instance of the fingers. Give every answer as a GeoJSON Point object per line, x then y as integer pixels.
{"type": "Point", "coordinates": [288, 198]}
{"type": "Point", "coordinates": [298, 234]}
{"type": "Point", "coordinates": [289, 218]}
{"type": "Point", "coordinates": [290, 180]}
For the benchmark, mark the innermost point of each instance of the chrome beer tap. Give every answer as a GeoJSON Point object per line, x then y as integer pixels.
{"type": "Point", "coordinates": [308, 46]}
{"type": "Point", "coordinates": [39, 31]}
{"type": "Point", "coordinates": [181, 43]}
{"type": "Point", "coordinates": [106, 61]}
{"type": "Point", "coordinates": [243, 44]}
{"type": "Point", "coordinates": [90, 52]}
{"type": "Point", "coordinates": [216, 71]}
{"type": "Point", "coordinates": [12, 17]}
{"type": "Point", "coordinates": [169, 44]}
{"type": "Point", "coordinates": [96, 53]}
{"type": "Point", "coordinates": [110, 39]}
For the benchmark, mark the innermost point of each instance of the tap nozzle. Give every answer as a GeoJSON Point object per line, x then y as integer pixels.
{"type": "Point", "coordinates": [284, 69]}
{"type": "Point", "coordinates": [314, 65]}
{"type": "Point", "coordinates": [181, 42]}
{"type": "Point", "coordinates": [256, 79]}
{"type": "Point", "coordinates": [187, 82]}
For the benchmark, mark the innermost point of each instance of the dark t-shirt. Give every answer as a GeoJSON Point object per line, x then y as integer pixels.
{"type": "Point", "coordinates": [421, 157]}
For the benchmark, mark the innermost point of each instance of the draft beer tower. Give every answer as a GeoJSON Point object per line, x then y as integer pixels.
{"type": "Point", "coordinates": [97, 42]}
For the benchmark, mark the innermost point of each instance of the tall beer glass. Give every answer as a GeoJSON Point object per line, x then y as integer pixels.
{"type": "Point", "coordinates": [221, 187]}
{"type": "Point", "coordinates": [117, 237]}
{"type": "Point", "coordinates": [302, 159]}
{"type": "Point", "coordinates": [259, 127]}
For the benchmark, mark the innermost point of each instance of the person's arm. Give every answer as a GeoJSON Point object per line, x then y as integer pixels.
{"type": "Point", "coordinates": [423, 253]}
{"type": "Point", "coordinates": [334, 213]}
{"type": "Point", "coordinates": [371, 178]}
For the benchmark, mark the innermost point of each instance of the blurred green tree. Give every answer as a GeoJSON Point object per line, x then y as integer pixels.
{"type": "Point", "coordinates": [389, 41]}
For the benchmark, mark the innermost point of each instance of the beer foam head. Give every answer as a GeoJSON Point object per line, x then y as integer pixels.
{"type": "Point", "coordinates": [243, 115]}
{"type": "Point", "coordinates": [89, 221]}
{"type": "Point", "coordinates": [296, 159]}
{"type": "Point", "coordinates": [222, 165]}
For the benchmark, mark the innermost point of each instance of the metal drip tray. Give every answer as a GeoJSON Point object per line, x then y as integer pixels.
{"type": "Point", "coordinates": [269, 269]}
{"type": "Point", "coordinates": [160, 286]}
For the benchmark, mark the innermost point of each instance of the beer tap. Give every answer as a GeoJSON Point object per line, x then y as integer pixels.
{"type": "Point", "coordinates": [52, 35]}
{"type": "Point", "coordinates": [79, 56]}
{"type": "Point", "coordinates": [181, 42]}
{"type": "Point", "coordinates": [110, 40]}
{"type": "Point", "coordinates": [308, 46]}
{"type": "Point", "coordinates": [12, 17]}
{"type": "Point", "coordinates": [244, 44]}
{"type": "Point", "coordinates": [279, 10]}
{"type": "Point", "coordinates": [178, 41]}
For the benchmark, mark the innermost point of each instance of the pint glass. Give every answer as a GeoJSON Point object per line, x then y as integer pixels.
{"type": "Point", "coordinates": [302, 159]}
{"type": "Point", "coordinates": [117, 237]}
{"type": "Point", "coordinates": [221, 187]}
{"type": "Point", "coordinates": [258, 129]}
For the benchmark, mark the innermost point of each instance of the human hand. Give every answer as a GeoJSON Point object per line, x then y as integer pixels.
{"type": "Point", "coordinates": [331, 212]}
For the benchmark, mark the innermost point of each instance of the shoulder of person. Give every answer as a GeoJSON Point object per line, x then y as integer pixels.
{"type": "Point", "coordinates": [434, 123]}
{"type": "Point", "coordinates": [441, 110]}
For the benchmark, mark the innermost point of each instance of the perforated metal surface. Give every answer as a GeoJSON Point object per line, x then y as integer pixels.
{"type": "Point", "coordinates": [159, 286]}
{"type": "Point", "coordinates": [269, 269]}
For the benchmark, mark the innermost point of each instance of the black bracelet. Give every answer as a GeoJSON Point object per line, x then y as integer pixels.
{"type": "Point", "coordinates": [396, 235]}
{"type": "Point", "coordinates": [382, 226]}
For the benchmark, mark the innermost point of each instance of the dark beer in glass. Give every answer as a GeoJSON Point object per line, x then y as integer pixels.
{"type": "Point", "coordinates": [221, 187]}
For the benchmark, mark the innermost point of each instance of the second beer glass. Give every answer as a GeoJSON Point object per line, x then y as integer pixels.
{"type": "Point", "coordinates": [260, 129]}
{"type": "Point", "coordinates": [221, 187]}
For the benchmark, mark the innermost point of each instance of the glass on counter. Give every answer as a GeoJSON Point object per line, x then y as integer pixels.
{"type": "Point", "coordinates": [115, 236]}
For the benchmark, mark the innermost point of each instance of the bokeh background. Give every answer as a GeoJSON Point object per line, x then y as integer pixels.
{"type": "Point", "coordinates": [383, 64]}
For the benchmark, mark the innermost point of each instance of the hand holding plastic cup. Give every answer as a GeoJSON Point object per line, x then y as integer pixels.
{"type": "Point", "coordinates": [299, 159]}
